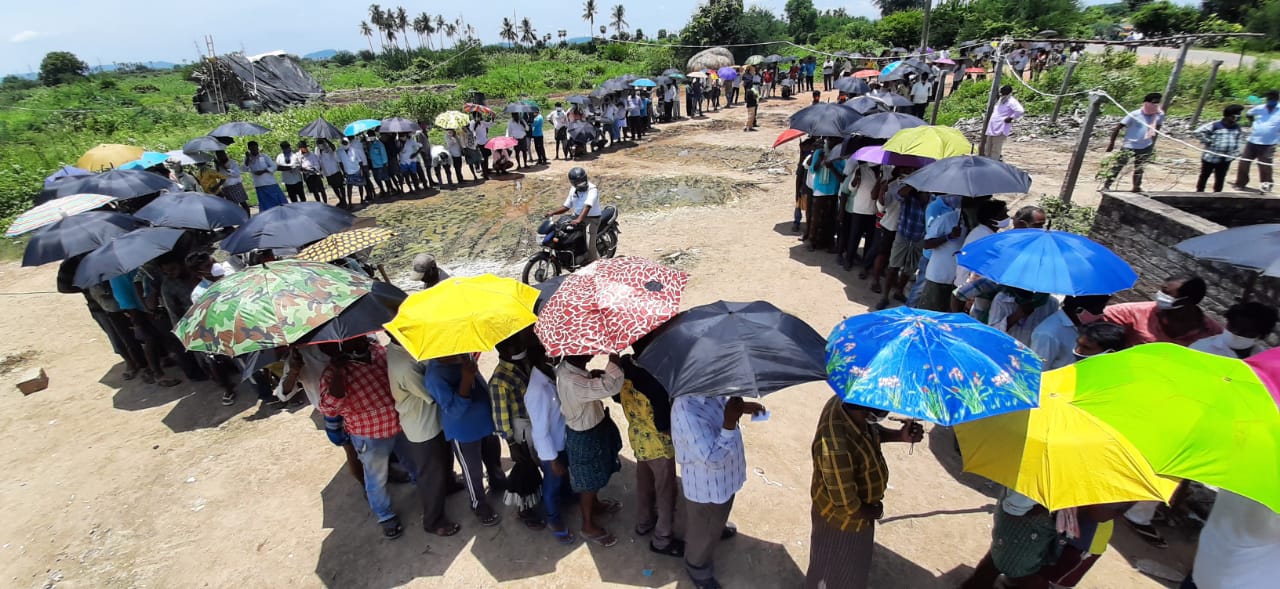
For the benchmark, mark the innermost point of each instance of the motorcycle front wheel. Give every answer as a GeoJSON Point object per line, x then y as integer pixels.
{"type": "Point", "coordinates": [607, 244]}
{"type": "Point", "coordinates": [540, 268]}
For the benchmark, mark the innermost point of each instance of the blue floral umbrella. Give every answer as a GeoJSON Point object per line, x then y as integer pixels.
{"type": "Point", "coordinates": [945, 368]}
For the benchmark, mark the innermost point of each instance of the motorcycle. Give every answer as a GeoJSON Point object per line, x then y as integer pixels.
{"type": "Point", "coordinates": [564, 247]}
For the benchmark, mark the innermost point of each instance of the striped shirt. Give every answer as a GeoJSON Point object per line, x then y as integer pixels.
{"type": "Point", "coordinates": [849, 470]}
{"type": "Point", "coordinates": [713, 461]}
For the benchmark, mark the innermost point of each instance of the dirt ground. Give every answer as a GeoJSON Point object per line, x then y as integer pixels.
{"type": "Point", "coordinates": [119, 484]}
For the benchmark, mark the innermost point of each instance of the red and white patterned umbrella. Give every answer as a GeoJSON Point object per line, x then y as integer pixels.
{"type": "Point", "coordinates": [607, 306]}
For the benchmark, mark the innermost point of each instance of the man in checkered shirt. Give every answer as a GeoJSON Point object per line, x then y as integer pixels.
{"type": "Point", "coordinates": [355, 388]}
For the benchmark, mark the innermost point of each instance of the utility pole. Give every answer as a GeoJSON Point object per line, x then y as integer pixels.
{"type": "Point", "coordinates": [1082, 146]}
{"type": "Point", "coordinates": [924, 29]}
{"type": "Point", "coordinates": [1204, 94]}
{"type": "Point", "coordinates": [1066, 81]}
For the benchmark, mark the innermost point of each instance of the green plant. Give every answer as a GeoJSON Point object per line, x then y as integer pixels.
{"type": "Point", "coordinates": [61, 67]}
{"type": "Point", "coordinates": [343, 58]}
{"type": "Point", "coordinates": [1066, 216]}
{"type": "Point", "coordinates": [900, 29]}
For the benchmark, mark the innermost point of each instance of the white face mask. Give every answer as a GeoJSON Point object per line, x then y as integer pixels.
{"type": "Point", "coordinates": [1079, 356]}
{"type": "Point", "coordinates": [1239, 342]}
{"type": "Point", "coordinates": [1166, 302]}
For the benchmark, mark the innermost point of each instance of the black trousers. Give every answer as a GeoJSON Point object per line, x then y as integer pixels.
{"type": "Point", "coordinates": [540, 148]}
{"type": "Point", "coordinates": [826, 81]}
{"type": "Point", "coordinates": [432, 471]}
{"type": "Point", "coordinates": [1217, 170]}
{"type": "Point", "coordinates": [854, 229]}
{"type": "Point", "coordinates": [296, 192]}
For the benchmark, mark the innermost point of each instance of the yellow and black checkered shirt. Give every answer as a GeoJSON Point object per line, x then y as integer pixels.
{"type": "Point", "coordinates": [848, 467]}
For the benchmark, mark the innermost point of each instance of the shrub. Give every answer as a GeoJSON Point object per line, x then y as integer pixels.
{"type": "Point", "coordinates": [343, 58]}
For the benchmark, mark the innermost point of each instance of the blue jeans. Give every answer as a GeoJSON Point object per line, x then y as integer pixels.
{"type": "Point", "coordinates": [374, 454]}
{"type": "Point", "coordinates": [554, 490]}
{"type": "Point", "coordinates": [918, 286]}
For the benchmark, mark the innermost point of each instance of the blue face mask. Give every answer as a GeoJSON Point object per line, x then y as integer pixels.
{"type": "Point", "coordinates": [1272, 104]}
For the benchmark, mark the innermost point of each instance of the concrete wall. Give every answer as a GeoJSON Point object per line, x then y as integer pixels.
{"type": "Point", "coordinates": [1143, 230]}
{"type": "Point", "coordinates": [1228, 210]}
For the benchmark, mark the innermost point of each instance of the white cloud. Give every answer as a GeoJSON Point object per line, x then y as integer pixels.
{"type": "Point", "coordinates": [25, 36]}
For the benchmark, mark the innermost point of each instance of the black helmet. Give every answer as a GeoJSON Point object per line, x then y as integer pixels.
{"type": "Point", "coordinates": [577, 176]}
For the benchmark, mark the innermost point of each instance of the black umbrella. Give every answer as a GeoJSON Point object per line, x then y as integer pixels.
{"type": "Point", "coordinates": [320, 129]}
{"type": "Point", "coordinates": [916, 64]}
{"type": "Point", "coordinates": [399, 125]}
{"type": "Point", "coordinates": [671, 71]}
{"type": "Point", "coordinates": [774, 58]}
{"type": "Point", "coordinates": [49, 191]}
{"type": "Point", "coordinates": [852, 86]}
{"type": "Point", "coordinates": [734, 349]}
{"type": "Point", "coordinates": [599, 93]}
{"type": "Point", "coordinates": [239, 129]}
{"type": "Point", "coordinates": [969, 175]}
{"type": "Point", "coordinates": [894, 100]}
{"type": "Point", "coordinates": [865, 105]}
{"type": "Point", "coordinates": [203, 144]}
{"type": "Point", "coordinates": [787, 59]}
{"type": "Point", "coordinates": [519, 107]}
{"type": "Point", "coordinates": [76, 235]}
{"type": "Point", "coordinates": [193, 210]}
{"type": "Point", "coordinates": [546, 288]}
{"type": "Point", "coordinates": [824, 120]}
{"type": "Point", "coordinates": [362, 317]}
{"type": "Point", "coordinates": [581, 132]}
{"type": "Point", "coordinates": [125, 254]}
{"type": "Point", "coordinates": [629, 78]}
{"type": "Point", "coordinates": [292, 225]}
{"type": "Point", "coordinates": [883, 125]}
{"type": "Point", "coordinates": [122, 184]}
{"type": "Point", "coordinates": [663, 80]}
{"type": "Point", "coordinates": [578, 99]}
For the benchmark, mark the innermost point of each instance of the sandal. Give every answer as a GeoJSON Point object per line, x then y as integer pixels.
{"type": "Point", "coordinates": [229, 398]}
{"type": "Point", "coordinates": [445, 530]}
{"type": "Point", "coordinates": [489, 518]}
{"type": "Point", "coordinates": [729, 531]}
{"type": "Point", "coordinates": [675, 548]}
{"type": "Point", "coordinates": [609, 506]}
{"type": "Point", "coordinates": [391, 529]}
{"type": "Point", "coordinates": [129, 374]}
{"type": "Point", "coordinates": [1149, 533]}
{"type": "Point", "coordinates": [875, 287]}
{"type": "Point", "coordinates": [564, 536]}
{"type": "Point", "coordinates": [167, 382]}
{"type": "Point", "coordinates": [645, 530]}
{"type": "Point", "coordinates": [605, 539]}
{"type": "Point", "coordinates": [531, 520]}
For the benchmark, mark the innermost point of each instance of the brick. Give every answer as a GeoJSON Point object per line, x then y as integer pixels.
{"type": "Point", "coordinates": [33, 380]}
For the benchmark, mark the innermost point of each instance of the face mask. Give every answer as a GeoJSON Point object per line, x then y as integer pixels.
{"type": "Point", "coordinates": [1239, 342]}
{"type": "Point", "coordinates": [1004, 224]}
{"type": "Point", "coordinates": [1079, 356]}
{"type": "Point", "coordinates": [1166, 302]}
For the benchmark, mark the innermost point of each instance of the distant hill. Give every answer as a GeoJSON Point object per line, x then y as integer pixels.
{"type": "Point", "coordinates": [321, 55]}
{"type": "Point", "coordinates": [578, 40]}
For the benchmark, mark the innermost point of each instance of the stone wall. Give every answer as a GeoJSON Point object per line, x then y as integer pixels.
{"type": "Point", "coordinates": [1143, 230]}
{"type": "Point", "coordinates": [1228, 210]}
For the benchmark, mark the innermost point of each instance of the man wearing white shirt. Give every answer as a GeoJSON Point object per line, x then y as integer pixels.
{"type": "Point", "coordinates": [480, 130]}
{"type": "Point", "coordinates": [634, 123]}
{"type": "Point", "coordinates": [1007, 110]}
{"type": "Point", "coordinates": [920, 94]}
{"type": "Point", "coordinates": [361, 155]}
{"type": "Point", "coordinates": [943, 237]}
{"type": "Point", "coordinates": [1054, 339]}
{"type": "Point", "coordinates": [516, 130]}
{"type": "Point", "coordinates": [560, 122]}
{"type": "Point", "coordinates": [331, 168]}
{"type": "Point", "coordinates": [263, 170]}
{"type": "Point", "coordinates": [290, 166]}
{"type": "Point", "coordinates": [349, 157]}
{"type": "Point", "coordinates": [1247, 324]}
{"type": "Point", "coordinates": [1019, 312]}
{"type": "Point", "coordinates": [409, 167]}
{"type": "Point", "coordinates": [713, 467]}
{"type": "Point", "coordinates": [548, 432]}
{"type": "Point", "coordinates": [859, 215]}
{"type": "Point", "coordinates": [669, 102]}
{"type": "Point", "coordinates": [583, 201]}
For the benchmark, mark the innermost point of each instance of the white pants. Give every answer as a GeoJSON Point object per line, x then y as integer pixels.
{"type": "Point", "coordinates": [995, 146]}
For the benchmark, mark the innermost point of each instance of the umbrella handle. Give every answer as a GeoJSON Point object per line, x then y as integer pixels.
{"type": "Point", "coordinates": [912, 449]}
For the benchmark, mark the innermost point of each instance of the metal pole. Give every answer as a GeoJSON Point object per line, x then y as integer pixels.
{"type": "Point", "coordinates": [924, 29]}
{"type": "Point", "coordinates": [1082, 145]}
{"type": "Point", "coordinates": [938, 86]}
{"type": "Point", "coordinates": [1066, 81]}
{"type": "Point", "coordinates": [1172, 86]}
{"type": "Point", "coordinates": [1204, 94]}
{"type": "Point", "coordinates": [991, 103]}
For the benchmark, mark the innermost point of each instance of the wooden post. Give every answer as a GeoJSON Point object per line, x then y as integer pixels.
{"type": "Point", "coordinates": [924, 28]}
{"type": "Point", "coordinates": [1066, 81]}
{"type": "Point", "coordinates": [991, 104]}
{"type": "Point", "coordinates": [1082, 146]}
{"type": "Point", "coordinates": [939, 85]}
{"type": "Point", "coordinates": [1172, 86]}
{"type": "Point", "coordinates": [1204, 94]}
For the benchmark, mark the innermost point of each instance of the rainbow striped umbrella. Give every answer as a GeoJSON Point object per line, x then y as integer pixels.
{"type": "Point", "coordinates": [55, 210]}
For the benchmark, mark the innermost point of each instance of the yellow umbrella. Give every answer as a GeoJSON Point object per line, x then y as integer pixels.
{"type": "Point", "coordinates": [343, 244]}
{"type": "Point", "coordinates": [463, 316]}
{"type": "Point", "coordinates": [107, 156]}
{"type": "Point", "coordinates": [1060, 455]}
{"type": "Point", "coordinates": [931, 141]}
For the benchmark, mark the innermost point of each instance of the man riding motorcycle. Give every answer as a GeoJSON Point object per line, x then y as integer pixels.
{"type": "Point", "coordinates": [583, 201]}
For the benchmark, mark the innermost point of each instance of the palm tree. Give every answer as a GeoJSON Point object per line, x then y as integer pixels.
{"type": "Point", "coordinates": [368, 33]}
{"type": "Point", "coordinates": [589, 11]}
{"type": "Point", "coordinates": [619, 22]}
{"type": "Point", "coordinates": [471, 32]}
{"type": "Point", "coordinates": [440, 28]}
{"type": "Point", "coordinates": [527, 34]}
{"type": "Point", "coordinates": [451, 31]}
{"type": "Point", "coordinates": [402, 23]}
{"type": "Point", "coordinates": [376, 18]}
{"type": "Point", "coordinates": [508, 32]}
{"type": "Point", "coordinates": [422, 25]}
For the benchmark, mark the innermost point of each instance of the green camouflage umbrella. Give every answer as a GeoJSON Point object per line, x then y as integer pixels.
{"type": "Point", "coordinates": [268, 306]}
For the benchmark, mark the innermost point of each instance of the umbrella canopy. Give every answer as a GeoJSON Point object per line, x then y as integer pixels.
{"type": "Point", "coordinates": [974, 70]}
{"type": "Point", "coordinates": [363, 126]}
{"type": "Point", "coordinates": [852, 86]}
{"type": "Point", "coordinates": [581, 132]}
{"type": "Point", "coordinates": [788, 135]}
{"type": "Point", "coordinates": [55, 210]}
{"type": "Point", "coordinates": [946, 368]}
{"type": "Point", "coordinates": [65, 172]}
{"type": "Point", "coordinates": [1250, 246]}
{"type": "Point", "coordinates": [255, 361]}
{"type": "Point", "coordinates": [885, 125]}
{"type": "Point", "coordinates": [888, 69]}
{"type": "Point", "coordinates": [931, 141]}
{"type": "Point", "coordinates": [864, 105]}
{"type": "Point", "coordinates": [471, 107]}
{"type": "Point", "coordinates": [734, 349]}
{"type": "Point", "coordinates": [147, 160]}
{"type": "Point", "coordinates": [363, 317]}
{"type": "Point", "coordinates": [546, 289]}
{"type": "Point", "coordinates": [608, 305]}
{"type": "Point", "coordinates": [1059, 455]}
{"type": "Point", "coordinates": [944, 61]}
{"type": "Point", "coordinates": [713, 58]}
{"type": "Point", "coordinates": [894, 100]}
{"type": "Point", "coordinates": [203, 144]}
{"type": "Point", "coordinates": [125, 254]}
{"type": "Point", "coordinates": [399, 125]}
{"type": "Point", "coordinates": [874, 154]}
{"type": "Point", "coordinates": [1267, 366]}
{"type": "Point", "coordinates": [107, 156]}
{"type": "Point", "coordinates": [644, 83]}
{"type": "Point", "coordinates": [773, 58]}
{"type": "Point", "coordinates": [1056, 262]}
{"type": "Point", "coordinates": [183, 158]}
{"type": "Point", "coordinates": [520, 107]}
{"type": "Point", "coordinates": [193, 210]}
{"type": "Point", "coordinates": [288, 226]}
{"type": "Point", "coordinates": [755, 60]}
{"type": "Point", "coordinates": [698, 74]}
{"type": "Point", "coordinates": [320, 129]}
{"type": "Point", "coordinates": [866, 73]}
{"type": "Point", "coordinates": [502, 142]}
{"type": "Point", "coordinates": [727, 73]}
{"type": "Point", "coordinates": [615, 85]}
{"type": "Point", "coordinates": [452, 119]}
{"type": "Point", "coordinates": [239, 129]}
{"type": "Point", "coordinates": [463, 316]}
{"type": "Point", "coordinates": [665, 80]}
{"type": "Point", "coordinates": [341, 245]}
{"type": "Point", "coordinates": [268, 306]}
{"type": "Point", "coordinates": [76, 235]}
{"type": "Point", "coordinates": [122, 184]}
{"type": "Point", "coordinates": [970, 175]}
{"type": "Point", "coordinates": [578, 99]}
{"type": "Point", "coordinates": [824, 120]}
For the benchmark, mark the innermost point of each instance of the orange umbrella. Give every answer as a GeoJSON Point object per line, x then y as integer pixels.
{"type": "Point", "coordinates": [866, 74]}
{"type": "Point", "coordinates": [975, 70]}
{"type": "Point", "coordinates": [787, 135]}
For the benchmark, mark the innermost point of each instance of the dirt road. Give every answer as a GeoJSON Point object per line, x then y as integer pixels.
{"type": "Point", "coordinates": [114, 484]}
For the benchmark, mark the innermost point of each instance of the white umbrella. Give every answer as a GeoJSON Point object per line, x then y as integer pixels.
{"type": "Point", "coordinates": [186, 159]}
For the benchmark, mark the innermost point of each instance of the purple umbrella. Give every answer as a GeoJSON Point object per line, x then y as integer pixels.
{"type": "Point", "coordinates": [727, 73]}
{"type": "Point", "coordinates": [876, 154]}
{"type": "Point", "coordinates": [66, 172]}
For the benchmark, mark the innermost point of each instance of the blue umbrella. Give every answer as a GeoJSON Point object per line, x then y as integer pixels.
{"type": "Point", "coordinates": [644, 83]}
{"type": "Point", "coordinates": [125, 254]}
{"type": "Point", "coordinates": [360, 126]}
{"type": "Point", "coordinates": [148, 159]}
{"type": "Point", "coordinates": [889, 68]}
{"type": "Point", "coordinates": [77, 234]}
{"type": "Point", "coordinates": [1048, 261]}
{"type": "Point", "coordinates": [945, 368]}
{"type": "Point", "coordinates": [66, 172]}
{"type": "Point", "coordinates": [733, 349]}
{"type": "Point", "coordinates": [288, 226]}
{"type": "Point", "coordinates": [193, 210]}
